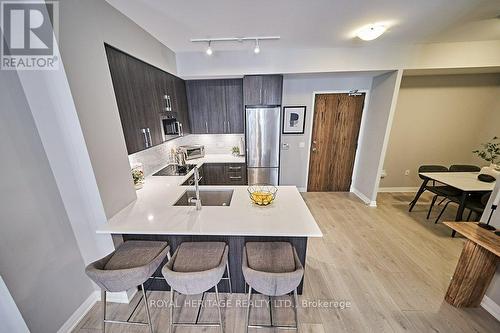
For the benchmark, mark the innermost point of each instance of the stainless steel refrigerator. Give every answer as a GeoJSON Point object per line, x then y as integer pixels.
{"type": "Point", "coordinates": [263, 144]}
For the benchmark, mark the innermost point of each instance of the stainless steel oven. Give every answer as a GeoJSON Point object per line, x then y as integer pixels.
{"type": "Point", "coordinates": [193, 151]}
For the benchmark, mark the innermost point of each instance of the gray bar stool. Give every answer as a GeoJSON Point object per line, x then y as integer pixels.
{"type": "Point", "coordinates": [130, 265]}
{"type": "Point", "coordinates": [272, 269]}
{"type": "Point", "coordinates": [195, 268]}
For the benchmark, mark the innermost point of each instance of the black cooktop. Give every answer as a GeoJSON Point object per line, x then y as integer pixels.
{"type": "Point", "coordinates": [175, 170]}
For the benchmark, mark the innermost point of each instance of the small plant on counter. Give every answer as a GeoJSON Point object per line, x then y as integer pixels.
{"type": "Point", "coordinates": [235, 150]}
{"type": "Point", "coordinates": [138, 176]}
{"type": "Point", "coordinates": [490, 152]}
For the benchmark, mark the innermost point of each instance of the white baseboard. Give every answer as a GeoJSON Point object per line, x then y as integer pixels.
{"type": "Point", "coordinates": [398, 189]}
{"type": "Point", "coordinates": [364, 198]}
{"type": "Point", "coordinates": [489, 305]}
{"type": "Point", "coordinates": [82, 310]}
{"type": "Point", "coordinates": [74, 319]}
{"type": "Point", "coordinates": [120, 297]}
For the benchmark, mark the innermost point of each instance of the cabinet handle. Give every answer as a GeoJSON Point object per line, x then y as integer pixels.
{"type": "Point", "coordinates": [181, 130]}
{"type": "Point", "coordinates": [170, 103]}
{"type": "Point", "coordinates": [145, 137]}
{"type": "Point", "coordinates": [149, 135]}
{"type": "Point", "coordinates": [234, 177]}
{"type": "Point", "coordinates": [206, 126]}
{"type": "Point", "coordinates": [224, 126]}
{"type": "Point", "coordinates": [228, 127]}
{"type": "Point", "coordinates": [234, 168]}
{"type": "Point", "coordinates": [167, 103]}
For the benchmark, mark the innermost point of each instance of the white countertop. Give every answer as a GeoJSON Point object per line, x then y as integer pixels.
{"type": "Point", "coordinates": [153, 211]}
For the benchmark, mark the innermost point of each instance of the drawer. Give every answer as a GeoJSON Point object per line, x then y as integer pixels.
{"type": "Point", "coordinates": [235, 168]}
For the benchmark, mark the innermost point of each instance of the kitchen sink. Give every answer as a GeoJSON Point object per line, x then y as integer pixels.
{"type": "Point", "coordinates": [208, 198]}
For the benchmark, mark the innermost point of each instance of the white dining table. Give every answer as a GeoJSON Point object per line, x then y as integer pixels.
{"type": "Point", "coordinates": [466, 182]}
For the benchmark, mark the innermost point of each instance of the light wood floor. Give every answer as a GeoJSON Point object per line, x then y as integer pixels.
{"type": "Point", "coordinates": [391, 265]}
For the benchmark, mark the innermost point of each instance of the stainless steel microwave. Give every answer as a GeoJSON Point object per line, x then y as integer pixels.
{"type": "Point", "coordinates": [170, 127]}
{"type": "Point", "coordinates": [193, 151]}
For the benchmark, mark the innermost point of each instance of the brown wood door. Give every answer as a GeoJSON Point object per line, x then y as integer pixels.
{"type": "Point", "coordinates": [337, 118]}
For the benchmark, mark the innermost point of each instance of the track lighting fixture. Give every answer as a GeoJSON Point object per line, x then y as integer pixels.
{"type": "Point", "coordinates": [256, 49]}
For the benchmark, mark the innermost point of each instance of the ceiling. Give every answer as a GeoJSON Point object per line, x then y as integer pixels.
{"type": "Point", "coordinates": [313, 23]}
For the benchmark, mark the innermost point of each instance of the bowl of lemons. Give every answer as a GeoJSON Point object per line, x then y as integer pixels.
{"type": "Point", "coordinates": [262, 195]}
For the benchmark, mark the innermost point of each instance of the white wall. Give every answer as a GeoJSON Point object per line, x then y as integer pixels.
{"type": "Point", "coordinates": [40, 259]}
{"type": "Point", "coordinates": [491, 301]}
{"type": "Point", "coordinates": [440, 119]}
{"type": "Point", "coordinates": [375, 135]}
{"type": "Point", "coordinates": [10, 316]}
{"type": "Point", "coordinates": [369, 57]}
{"type": "Point", "coordinates": [298, 89]}
{"type": "Point", "coordinates": [84, 27]}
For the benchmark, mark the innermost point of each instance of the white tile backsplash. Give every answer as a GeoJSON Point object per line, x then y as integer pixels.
{"type": "Point", "coordinates": [158, 156]}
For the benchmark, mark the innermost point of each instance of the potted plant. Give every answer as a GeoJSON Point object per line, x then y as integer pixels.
{"type": "Point", "coordinates": [138, 176]}
{"type": "Point", "coordinates": [235, 151]}
{"type": "Point", "coordinates": [490, 152]}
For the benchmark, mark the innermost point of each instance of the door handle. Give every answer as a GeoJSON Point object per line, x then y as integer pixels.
{"type": "Point", "coordinates": [206, 125]}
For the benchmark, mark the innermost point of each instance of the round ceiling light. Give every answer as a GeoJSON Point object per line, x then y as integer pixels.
{"type": "Point", "coordinates": [371, 32]}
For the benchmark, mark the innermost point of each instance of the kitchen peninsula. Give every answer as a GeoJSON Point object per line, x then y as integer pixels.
{"type": "Point", "coordinates": [153, 216]}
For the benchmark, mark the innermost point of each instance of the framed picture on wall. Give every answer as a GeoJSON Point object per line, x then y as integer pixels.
{"type": "Point", "coordinates": [294, 119]}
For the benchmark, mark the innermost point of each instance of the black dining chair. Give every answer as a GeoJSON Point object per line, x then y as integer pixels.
{"type": "Point", "coordinates": [464, 168]}
{"type": "Point", "coordinates": [475, 204]}
{"type": "Point", "coordinates": [438, 190]}
{"type": "Point", "coordinates": [455, 192]}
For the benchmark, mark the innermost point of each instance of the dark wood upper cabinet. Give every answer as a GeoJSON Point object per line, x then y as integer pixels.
{"type": "Point", "coordinates": [197, 97]}
{"type": "Point", "coordinates": [217, 123]}
{"type": "Point", "coordinates": [262, 89]}
{"type": "Point", "coordinates": [216, 106]}
{"type": "Point", "coordinates": [235, 113]}
{"type": "Point", "coordinates": [125, 75]}
{"type": "Point", "coordinates": [181, 104]}
{"type": "Point", "coordinates": [145, 95]}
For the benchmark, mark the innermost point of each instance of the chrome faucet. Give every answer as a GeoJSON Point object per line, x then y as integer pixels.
{"type": "Point", "coordinates": [197, 200]}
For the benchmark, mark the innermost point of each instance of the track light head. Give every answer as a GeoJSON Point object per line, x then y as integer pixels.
{"type": "Point", "coordinates": [209, 49]}
{"type": "Point", "coordinates": [256, 50]}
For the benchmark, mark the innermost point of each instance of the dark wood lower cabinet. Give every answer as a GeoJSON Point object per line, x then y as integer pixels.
{"type": "Point", "coordinates": [221, 174]}
{"type": "Point", "coordinates": [235, 243]}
